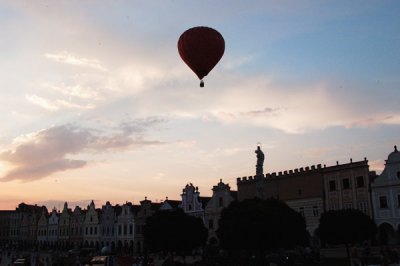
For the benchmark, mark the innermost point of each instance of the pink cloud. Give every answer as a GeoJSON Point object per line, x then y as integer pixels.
{"type": "Point", "coordinates": [47, 151]}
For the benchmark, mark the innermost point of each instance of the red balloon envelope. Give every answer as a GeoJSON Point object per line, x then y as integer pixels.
{"type": "Point", "coordinates": [201, 48]}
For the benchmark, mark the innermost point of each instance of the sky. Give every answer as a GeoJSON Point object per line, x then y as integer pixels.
{"type": "Point", "coordinates": [96, 103]}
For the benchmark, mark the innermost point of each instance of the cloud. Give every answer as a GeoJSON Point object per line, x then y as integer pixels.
{"type": "Point", "coordinates": [318, 152]}
{"type": "Point", "coordinates": [42, 102]}
{"type": "Point", "coordinates": [41, 154]}
{"type": "Point", "coordinates": [79, 91]}
{"type": "Point", "coordinates": [377, 165]}
{"type": "Point", "coordinates": [68, 58]}
{"type": "Point", "coordinates": [393, 119]}
{"type": "Point", "coordinates": [56, 105]}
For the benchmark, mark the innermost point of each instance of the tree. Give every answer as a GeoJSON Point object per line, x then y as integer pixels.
{"type": "Point", "coordinates": [174, 231]}
{"type": "Point", "coordinates": [346, 227]}
{"type": "Point", "coordinates": [259, 225]}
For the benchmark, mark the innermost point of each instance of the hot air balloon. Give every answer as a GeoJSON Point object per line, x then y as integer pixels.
{"type": "Point", "coordinates": [201, 48]}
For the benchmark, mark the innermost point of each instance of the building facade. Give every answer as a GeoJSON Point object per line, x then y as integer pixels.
{"type": "Point", "coordinates": [221, 198]}
{"type": "Point", "coordinates": [107, 225]}
{"type": "Point", "coordinates": [76, 227]}
{"type": "Point", "coordinates": [385, 190]}
{"type": "Point", "coordinates": [347, 186]}
{"type": "Point", "coordinates": [91, 227]}
{"type": "Point", "coordinates": [52, 230]}
{"type": "Point", "coordinates": [125, 227]}
{"type": "Point", "coordinates": [64, 229]}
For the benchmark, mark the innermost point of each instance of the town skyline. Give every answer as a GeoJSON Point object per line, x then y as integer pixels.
{"type": "Point", "coordinates": [97, 105]}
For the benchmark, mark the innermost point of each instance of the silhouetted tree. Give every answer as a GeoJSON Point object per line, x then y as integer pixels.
{"type": "Point", "coordinates": [174, 231]}
{"type": "Point", "coordinates": [346, 227]}
{"type": "Point", "coordinates": [259, 225]}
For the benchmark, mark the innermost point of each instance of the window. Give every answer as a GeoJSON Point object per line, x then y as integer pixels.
{"type": "Point", "coordinates": [383, 204]}
{"type": "Point", "coordinates": [301, 211]}
{"type": "Point", "coordinates": [125, 230]}
{"type": "Point", "coordinates": [190, 207]}
{"type": "Point", "coordinates": [398, 174]}
{"type": "Point", "coordinates": [210, 224]}
{"type": "Point", "coordinates": [398, 200]}
{"type": "Point", "coordinates": [363, 206]}
{"type": "Point", "coordinates": [299, 192]}
{"type": "Point", "coordinates": [315, 211]}
{"type": "Point", "coordinates": [131, 229]}
{"type": "Point", "coordinates": [348, 205]}
{"type": "Point", "coordinates": [332, 185]}
{"type": "Point", "coordinates": [220, 202]}
{"type": "Point", "coordinates": [346, 183]}
{"type": "Point", "coordinates": [119, 230]}
{"type": "Point", "coordinates": [360, 181]}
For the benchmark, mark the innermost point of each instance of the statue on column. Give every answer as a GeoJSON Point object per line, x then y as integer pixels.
{"type": "Point", "coordinates": [260, 161]}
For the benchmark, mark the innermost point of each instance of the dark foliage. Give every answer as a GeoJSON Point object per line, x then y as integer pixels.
{"type": "Point", "coordinates": [174, 231]}
{"type": "Point", "coordinates": [346, 227]}
{"type": "Point", "coordinates": [256, 224]}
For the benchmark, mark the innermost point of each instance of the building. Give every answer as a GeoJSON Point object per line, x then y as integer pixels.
{"type": "Point", "coordinates": [313, 189]}
{"type": "Point", "coordinates": [347, 186]}
{"type": "Point", "coordinates": [91, 227]}
{"type": "Point", "coordinates": [192, 203]}
{"type": "Point", "coordinates": [64, 230]}
{"type": "Point", "coordinates": [108, 222]}
{"type": "Point", "coordinates": [221, 198]}
{"type": "Point", "coordinates": [42, 230]}
{"type": "Point", "coordinates": [385, 190]}
{"type": "Point", "coordinates": [5, 222]}
{"type": "Point", "coordinates": [52, 229]}
{"type": "Point", "coordinates": [76, 227]}
{"type": "Point", "coordinates": [145, 210]}
{"type": "Point", "coordinates": [125, 227]}
{"type": "Point", "coordinates": [301, 189]}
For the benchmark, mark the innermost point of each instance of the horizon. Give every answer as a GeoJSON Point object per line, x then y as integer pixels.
{"type": "Point", "coordinates": [96, 102]}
